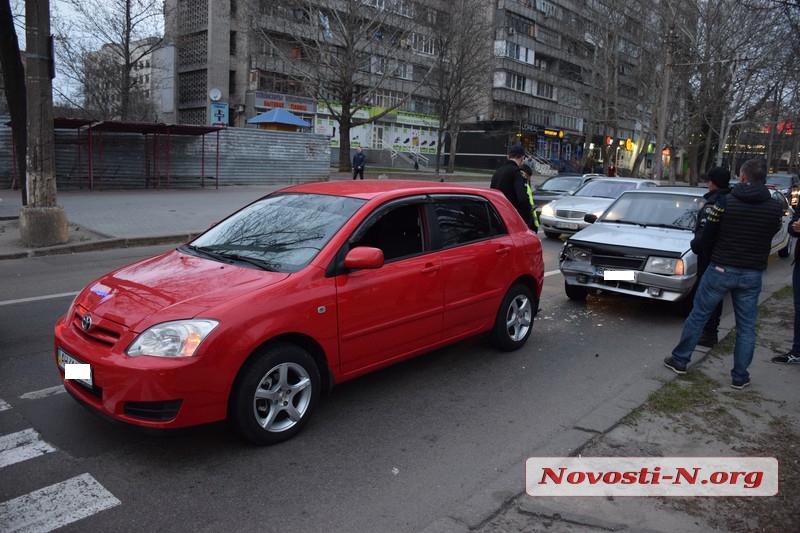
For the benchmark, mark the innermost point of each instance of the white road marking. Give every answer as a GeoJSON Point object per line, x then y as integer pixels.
{"type": "Point", "coordinates": [21, 446]}
{"type": "Point", "coordinates": [4, 406]}
{"type": "Point", "coordinates": [37, 298]}
{"type": "Point", "coordinates": [552, 273]}
{"type": "Point", "coordinates": [56, 506]}
{"type": "Point", "coordinates": [44, 393]}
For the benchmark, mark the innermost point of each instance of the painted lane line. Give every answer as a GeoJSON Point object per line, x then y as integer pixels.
{"type": "Point", "coordinates": [37, 298]}
{"type": "Point", "coordinates": [44, 393]}
{"type": "Point", "coordinates": [56, 506]}
{"type": "Point", "coordinates": [21, 446]}
{"type": "Point", "coordinates": [4, 406]}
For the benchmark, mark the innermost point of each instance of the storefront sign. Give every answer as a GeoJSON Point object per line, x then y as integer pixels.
{"type": "Point", "coordinates": [299, 104]}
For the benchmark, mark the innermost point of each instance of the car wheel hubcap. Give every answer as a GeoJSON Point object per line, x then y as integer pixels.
{"type": "Point", "coordinates": [282, 397]}
{"type": "Point", "coordinates": [518, 318]}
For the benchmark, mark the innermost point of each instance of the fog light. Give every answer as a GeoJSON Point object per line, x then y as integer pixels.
{"type": "Point", "coordinates": [581, 278]}
{"type": "Point", "coordinates": [653, 291]}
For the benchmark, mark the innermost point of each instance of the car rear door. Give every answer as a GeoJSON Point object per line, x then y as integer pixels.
{"type": "Point", "coordinates": [477, 262]}
{"type": "Point", "coordinates": [389, 312]}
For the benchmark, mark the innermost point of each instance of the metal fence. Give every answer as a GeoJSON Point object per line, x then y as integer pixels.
{"type": "Point", "coordinates": [247, 156]}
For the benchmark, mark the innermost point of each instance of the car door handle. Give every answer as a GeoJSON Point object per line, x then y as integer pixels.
{"type": "Point", "coordinates": [431, 267]}
{"type": "Point", "coordinates": [503, 250]}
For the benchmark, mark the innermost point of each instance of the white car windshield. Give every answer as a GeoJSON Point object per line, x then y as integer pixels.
{"type": "Point", "coordinates": [561, 184]}
{"type": "Point", "coordinates": [659, 210]}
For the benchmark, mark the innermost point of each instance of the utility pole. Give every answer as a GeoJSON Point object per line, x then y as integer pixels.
{"type": "Point", "coordinates": [658, 162]}
{"type": "Point", "coordinates": [41, 221]}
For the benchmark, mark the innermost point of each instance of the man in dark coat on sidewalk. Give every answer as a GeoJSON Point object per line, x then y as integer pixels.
{"type": "Point", "coordinates": [508, 179]}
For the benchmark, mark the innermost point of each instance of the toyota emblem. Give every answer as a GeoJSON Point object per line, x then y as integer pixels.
{"type": "Point", "coordinates": [86, 322]}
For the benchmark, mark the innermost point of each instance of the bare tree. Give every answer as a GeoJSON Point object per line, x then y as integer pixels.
{"type": "Point", "coordinates": [462, 72]}
{"type": "Point", "coordinates": [101, 50]}
{"type": "Point", "coordinates": [14, 81]}
{"type": "Point", "coordinates": [349, 55]}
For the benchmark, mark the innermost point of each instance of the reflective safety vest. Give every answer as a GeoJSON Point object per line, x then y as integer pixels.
{"type": "Point", "coordinates": [533, 208]}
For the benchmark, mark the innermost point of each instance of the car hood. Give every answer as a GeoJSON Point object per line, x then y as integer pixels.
{"type": "Point", "coordinates": [628, 236]}
{"type": "Point", "coordinates": [170, 286]}
{"type": "Point", "coordinates": [581, 203]}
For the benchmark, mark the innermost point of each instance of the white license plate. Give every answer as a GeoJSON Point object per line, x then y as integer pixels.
{"type": "Point", "coordinates": [567, 225]}
{"type": "Point", "coordinates": [66, 359]}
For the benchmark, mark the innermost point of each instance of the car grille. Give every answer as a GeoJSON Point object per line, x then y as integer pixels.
{"type": "Point", "coordinates": [614, 261]}
{"type": "Point", "coordinates": [106, 332]}
{"type": "Point", "coordinates": [153, 410]}
{"type": "Point", "coordinates": [567, 213]}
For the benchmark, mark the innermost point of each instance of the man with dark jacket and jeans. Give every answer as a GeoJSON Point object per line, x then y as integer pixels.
{"type": "Point", "coordinates": [508, 180]}
{"type": "Point", "coordinates": [719, 179]}
{"type": "Point", "coordinates": [792, 357]}
{"type": "Point", "coordinates": [739, 232]}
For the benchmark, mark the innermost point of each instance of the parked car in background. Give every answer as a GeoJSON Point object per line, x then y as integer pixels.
{"type": "Point", "coordinates": [558, 186]}
{"type": "Point", "coordinates": [565, 215]}
{"type": "Point", "coordinates": [641, 246]}
{"type": "Point", "coordinates": [788, 184]}
{"type": "Point", "coordinates": [300, 290]}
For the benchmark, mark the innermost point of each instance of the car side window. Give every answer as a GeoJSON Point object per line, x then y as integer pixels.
{"type": "Point", "coordinates": [398, 232]}
{"type": "Point", "coordinates": [468, 219]}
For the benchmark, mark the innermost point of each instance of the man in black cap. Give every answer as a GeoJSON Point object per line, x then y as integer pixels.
{"type": "Point", "coordinates": [508, 179]}
{"type": "Point", "coordinates": [718, 179]}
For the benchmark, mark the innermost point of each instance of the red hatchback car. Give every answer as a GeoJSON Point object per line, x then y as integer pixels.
{"type": "Point", "coordinates": [302, 289]}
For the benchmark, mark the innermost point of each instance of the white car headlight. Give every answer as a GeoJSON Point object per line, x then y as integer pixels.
{"type": "Point", "coordinates": [547, 210]}
{"type": "Point", "coordinates": [665, 265]}
{"type": "Point", "coordinates": [172, 339]}
{"type": "Point", "coordinates": [578, 254]}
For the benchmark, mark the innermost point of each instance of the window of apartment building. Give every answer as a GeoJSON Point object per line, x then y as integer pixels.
{"type": "Point", "coordinates": [546, 7]}
{"type": "Point", "coordinates": [568, 122]}
{"type": "Point", "coordinates": [232, 82]}
{"type": "Point", "coordinates": [423, 43]}
{"type": "Point", "coordinates": [386, 98]}
{"type": "Point", "coordinates": [545, 90]}
{"type": "Point", "coordinates": [233, 43]}
{"type": "Point", "coordinates": [515, 81]}
{"type": "Point", "coordinates": [377, 4]}
{"type": "Point", "coordinates": [523, 26]}
{"type": "Point", "coordinates": [547, 36]}
{"type": "Point", "coordinates": [404, 8]}
{"type": "Point", "coordinates": [404, 71]}
{"type": "Point", "coordinates": [515, 51]}
{"type": "Point", "coordinates": [543, 117]}
{"type": "Point", "coordinates": [541, 63]}
{"type": "Point", "coordinates": [378, 65]}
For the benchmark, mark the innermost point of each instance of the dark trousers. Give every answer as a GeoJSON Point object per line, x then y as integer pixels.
{"type": "Point", "coordinates": [712, 326]}
{"type": "Point", "coordinates": [358, 172]}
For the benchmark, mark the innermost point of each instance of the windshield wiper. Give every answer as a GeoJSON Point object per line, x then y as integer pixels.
{"type": "Point", "coordinates": [230, 257]}
{"type": "Point", "coordinates": [202, 250]}
{"type": "Point", "coordinates": [630, 222]}
{"type": "Point", "coordinates": [668, 226]}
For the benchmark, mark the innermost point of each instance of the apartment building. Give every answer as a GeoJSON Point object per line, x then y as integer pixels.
{"type": "Point", "coordinates": [536, 94]}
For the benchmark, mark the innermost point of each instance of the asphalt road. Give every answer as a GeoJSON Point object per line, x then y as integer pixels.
{"type": "Point", "coordinates": [392, 451]}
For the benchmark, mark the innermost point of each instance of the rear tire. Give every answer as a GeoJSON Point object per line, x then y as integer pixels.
{"type": "Point", "coordinates": [576, 292]}
{"type": "Point", "coordinates": [514, 320]}
{"type": "Point", "coordinates": [274, 394]}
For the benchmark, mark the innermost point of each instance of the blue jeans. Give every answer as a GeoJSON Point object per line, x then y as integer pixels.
{"type": "Point", "coordinates": [744, 284]}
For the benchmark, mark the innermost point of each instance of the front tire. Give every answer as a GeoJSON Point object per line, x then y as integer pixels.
{"type": "Point", "coordinates": [514, 320]}
{"type": "Point", "coordinates": [552, 235]}
{"type": "Point", "coordinates": [275, 394]}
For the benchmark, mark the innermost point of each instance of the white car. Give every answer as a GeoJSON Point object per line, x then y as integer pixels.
{"type": "Point", "coordinates": [641, 246]}
{"type": "Point", "coordinates": [565, 215]}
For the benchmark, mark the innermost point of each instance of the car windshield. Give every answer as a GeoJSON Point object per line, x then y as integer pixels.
{"type": "Point", "coordinates": [784, 182]}
{"type": "Point", "coordinates": [561, 184]}
{"type": "Point", "coordinates": [604, 188]}
{"type": "Point", "coordinates": [660, 210]}
{"type": "Point", "coordinates": [282, 232]}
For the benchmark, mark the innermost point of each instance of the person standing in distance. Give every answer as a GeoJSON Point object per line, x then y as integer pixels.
{"type": "Point", "coordinates": [739, 232]}
{"type": "Point", "coordinates": [359, 159]}
{"type": "Point", "coordinates": [719, 179]}
{"type": "Point", "coordinates": [792, 357]}
{"type": "Point", "coordinates": [508, 180]}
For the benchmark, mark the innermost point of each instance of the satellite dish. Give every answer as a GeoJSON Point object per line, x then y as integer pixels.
{"type": "Point", "coordinates": [215, 94]}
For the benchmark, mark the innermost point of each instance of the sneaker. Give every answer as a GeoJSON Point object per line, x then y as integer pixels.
{"type": "Point", "coordinates": [675, 366]}
{"type": "Point", "coordinates": [786, 359]}
{"type": "Point", "coordinates": [708, 339]}
{"type": "Point", "coordinates": [739, 385]}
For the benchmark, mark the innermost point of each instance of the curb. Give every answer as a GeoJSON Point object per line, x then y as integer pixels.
{"type": "Point", "coordinates": [102, 244]}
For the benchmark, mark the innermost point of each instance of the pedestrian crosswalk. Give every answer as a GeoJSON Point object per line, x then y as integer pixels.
{"type": "Point", "coordinates": [50, 507]}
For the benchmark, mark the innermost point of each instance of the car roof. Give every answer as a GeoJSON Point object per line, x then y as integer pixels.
{"type": "Point", "coordinates": [369, 189]}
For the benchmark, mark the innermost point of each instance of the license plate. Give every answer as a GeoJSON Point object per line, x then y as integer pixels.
{"type": "Point", "coordinates": [66, 359]}
{"type": "Point", "coordinates": [567, 225]}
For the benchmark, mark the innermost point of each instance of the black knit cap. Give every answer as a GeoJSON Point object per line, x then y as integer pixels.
{"type": "Point", "coordinates": [719, 176]}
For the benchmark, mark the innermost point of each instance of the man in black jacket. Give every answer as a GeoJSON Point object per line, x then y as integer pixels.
{"type": "Point", "coordinates": [739, 232]}
{"type": "Point", "coordinates": [792, 357]}
{"type": "Point", "coordinates": [719, 179]}
{"type": "Point", "coordinates": [508, 179]}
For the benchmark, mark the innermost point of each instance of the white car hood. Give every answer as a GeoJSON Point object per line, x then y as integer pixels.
{"type": "Point", "coordinates": [580, 203]}
{"type": "Point", "coordinates": [629, 236]}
